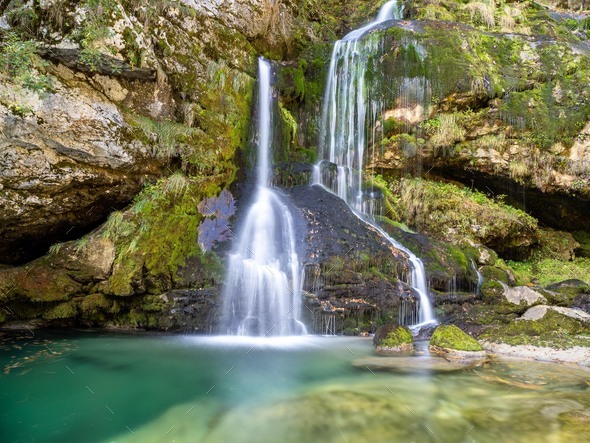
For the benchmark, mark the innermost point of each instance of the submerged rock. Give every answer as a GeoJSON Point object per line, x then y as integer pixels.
{"type": "Point", "coordinates": [575, 355]}
{"type": "Point", "coordinates": [393, 338]}
{"type": "Point", "coordinates": [411, 365]}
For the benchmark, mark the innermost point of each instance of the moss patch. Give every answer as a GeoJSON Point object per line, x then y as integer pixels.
{"type": "Point", "coordinates": [452, 213]}
{"type": "Point", "coordinates": [553, 330]}
{"type": "Point", "coordinates": [451, 337]}
{"type": "Point", "coordinates": [63, 310]}
{"type": "Point", "coordinates": [550, 270]}
{"type": "Point", "coordinates": [393, 337]}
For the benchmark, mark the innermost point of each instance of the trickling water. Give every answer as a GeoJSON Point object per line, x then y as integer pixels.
{"type": "Point", "coordinates": [262, 294]}
{"type": "Point", "coordinates": [343, 137]}
{"type": "Point", "coordinates": [479, 277]}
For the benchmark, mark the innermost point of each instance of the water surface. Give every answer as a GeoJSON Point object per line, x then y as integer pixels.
{"type": "Point", "coordinates": [103, 387]}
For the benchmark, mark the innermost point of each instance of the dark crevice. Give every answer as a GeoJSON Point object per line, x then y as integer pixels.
{"type": "Point", "coordinates": [32, 245]}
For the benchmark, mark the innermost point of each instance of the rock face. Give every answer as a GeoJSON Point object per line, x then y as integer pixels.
{"type": "Point", "coordinates": [145, 110]}
{"type": "Point", "coordinates": [64, 165]}
{"type": "Point", "coordinates": [494, 110]}
{"type": "Point", "coordinates": [121, 93]}
{"type": "Point", "coordinates": [352, 274]}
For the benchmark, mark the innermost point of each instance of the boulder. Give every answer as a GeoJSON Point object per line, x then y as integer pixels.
{"type": "Point", "coordinates": [393, 338]}
{"type": "Point", "coordinates": [452, 342]}
{"type": "Point", "coordinates": [522, 295]}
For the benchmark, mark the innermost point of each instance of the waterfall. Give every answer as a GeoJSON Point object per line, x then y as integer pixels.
{"type": "Point", "coordinates": [262, 294]}
{"type": "Point", "coordinates": [347, 109]}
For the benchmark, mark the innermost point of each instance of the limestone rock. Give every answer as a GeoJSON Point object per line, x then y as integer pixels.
{"type": "Point", "coordinates": [522, 295]}
{"type": "Point", "coordinates": [539, 312]}
{"type": "Point", "coordinates": [63, 165]}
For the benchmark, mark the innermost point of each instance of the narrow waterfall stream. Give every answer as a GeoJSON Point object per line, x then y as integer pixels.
{"type": "Point", "coordinates": [262, 295]}
{"type": "Point", "coordinates": [348, 105]}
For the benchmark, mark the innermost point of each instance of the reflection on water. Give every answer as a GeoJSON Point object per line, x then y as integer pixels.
{"type": "Point", "coordinates": [137, 388]}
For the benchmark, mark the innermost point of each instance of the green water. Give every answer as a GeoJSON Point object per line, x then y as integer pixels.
{"type": "Point", "coordinates": [97, 387]}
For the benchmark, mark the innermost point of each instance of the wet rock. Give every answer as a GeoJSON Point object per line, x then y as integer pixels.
{"type": "Point", "coordinates": [393, 339]}
{"type": "Point", "coordinates": [447, 266]}
{"type": "Point", "coordinates": [350, 269]}
{"type": "Point", "coordinates": [191, 310]}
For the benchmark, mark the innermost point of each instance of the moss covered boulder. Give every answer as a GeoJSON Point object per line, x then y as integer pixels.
{"type": "Point", "coordinates": [393, 338]}
{"type": "Point", "coordinates": [451, 342]}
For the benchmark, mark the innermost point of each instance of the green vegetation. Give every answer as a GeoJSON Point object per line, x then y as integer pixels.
{"type": "Point", "coordinates": [63, 310]}
{"type": "Point", "coordinates": [159, 234]}
{"type": "Point", "coordinates": [553, 330]}
{"type": "Point", "coordinates": [548, 270]}
{"type": "Point", "coordinates": [447, 132]}
{"type": "Point", "coordinates": [452, 213]}
{"type": "Point", "coordinates": [20, 64]}
{"type": "Point", "coordinates": [393, 337]}
{"type": "Point", "coordinates": [583, 239]}
{"type": "Point", "coordinates": [451, 337]}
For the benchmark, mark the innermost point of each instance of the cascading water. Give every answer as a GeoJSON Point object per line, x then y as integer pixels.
{"type": "Point", "coordinates": [262, 295]}
{"type": "Point", "coordinates": [479, 277]}
{"type": "Point", "coordinates": [347, 107]}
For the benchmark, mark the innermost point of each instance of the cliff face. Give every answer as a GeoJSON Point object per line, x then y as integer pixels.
{"type": "Point", "coordinates": [124, 117]}
{"type": "Point", "coordinates": [122, 122]}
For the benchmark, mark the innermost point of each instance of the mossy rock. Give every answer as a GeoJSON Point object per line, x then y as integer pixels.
{"type": "Point", "coordinates": [492, 291]}
{"type": "Point", "coordinates": [393, 338]}
{"type": "Point", "coordinates": [450, 337]}
{"type": "Point", "coordinates": [554, 329]}
{"type": "Point", "coordinates": [570, 288]}
{"type": "Point", "coordinates": [495, 273]}
{"type": "Point", "coordinates": [555, 244]}
{"type": "Point", "coordinates": [583, 238]}
{"type": "Point", "coordinates": [63, 310]}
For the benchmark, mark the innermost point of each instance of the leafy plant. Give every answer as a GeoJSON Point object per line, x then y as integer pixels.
{"type": "Point", "coordinates": [19, 61]}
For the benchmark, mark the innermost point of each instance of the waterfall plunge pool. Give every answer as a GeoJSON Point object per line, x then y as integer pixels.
{"type": "Point", "coordinates": [107, 387]}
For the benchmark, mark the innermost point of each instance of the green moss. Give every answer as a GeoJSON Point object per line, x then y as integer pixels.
{"type": "Point", "coordinates": [549, 270]}
{"type": "Point", "coordinates": [496, 273]}
{"type": "Point", "coordinates": [393, 336]}
{"type": "Point", "coordinates": [452, 213]}
{"type": "Point", "coordinates": [160, 235]}
{"type": "Point", "coordinates": [95, 304]}
{"type": "Point", "coordinates": [553, 330]}
{"type": "Point", "coordinates": [583, 238]}
{"type": "Point", "coordinates": [63, 310]}
{"type": "Point", "coordinates": [451, 337]}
